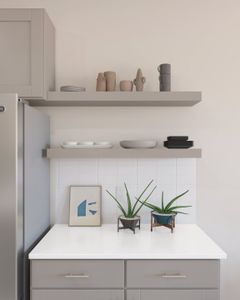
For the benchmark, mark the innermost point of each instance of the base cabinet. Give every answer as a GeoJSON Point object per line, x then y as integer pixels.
{"type": "Point", "coordinates": [173, 294]}
{"type": "Point", "coordinates": [77, 294]}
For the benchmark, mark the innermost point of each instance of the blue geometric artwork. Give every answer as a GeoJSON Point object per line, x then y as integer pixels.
{"type": "Point", "coordinates": [82, 209]}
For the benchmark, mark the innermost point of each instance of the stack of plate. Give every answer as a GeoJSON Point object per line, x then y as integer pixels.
{"type": "Point", "coordinates": [72, 88]}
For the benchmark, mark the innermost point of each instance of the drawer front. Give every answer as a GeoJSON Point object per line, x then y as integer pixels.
{"type": "Point", "coordinates": [77, 295]}
{"type": "Point", "coordinates": [77, 274]}
{"type": "Point", "coordinates": [179, 295]}
{"type": "Point", "coordinates": [173, 274]}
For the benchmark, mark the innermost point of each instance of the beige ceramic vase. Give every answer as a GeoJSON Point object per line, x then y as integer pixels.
{"type": "Point", "coordinates": [101, 83]}
{"type": "Point", "coordinates": [126, 86]}
{"type": "Point", "coordinates": [139, 81]}
{"type": "Point", "coordinates": [111, 80]}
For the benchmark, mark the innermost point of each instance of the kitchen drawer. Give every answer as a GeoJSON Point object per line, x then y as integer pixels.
{"type": "Point", "coordinates": [173, 294]}
{"type": "Point", "coordinates": [77, 295]}
{"type": "Point", "coordinates": [77, 274]}
{"type": "Point", "coordinates": [173, 273]}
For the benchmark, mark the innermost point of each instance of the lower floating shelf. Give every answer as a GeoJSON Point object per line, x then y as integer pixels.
{"type": "Point", "coordinates": [123, 153]}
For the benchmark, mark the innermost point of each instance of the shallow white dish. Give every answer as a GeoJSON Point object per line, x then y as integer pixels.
{"type": "Point", "coordinates": [71, 88]}
{"type": "Point", "coordinates": [138, 144]}
{"type": "Point", "coordinates": [97, 145]}
{"type": "Point", "coordinates": [70, 143]}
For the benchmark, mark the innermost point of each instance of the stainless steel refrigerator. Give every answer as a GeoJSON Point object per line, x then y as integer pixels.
{"type": "Point", "coordinates": [24, 191]}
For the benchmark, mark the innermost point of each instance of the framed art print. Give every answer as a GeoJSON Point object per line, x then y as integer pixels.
{"type": "Point", "coordinates": [85, 206]}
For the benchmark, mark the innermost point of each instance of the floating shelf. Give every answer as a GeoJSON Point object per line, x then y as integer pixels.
{"type": "Point", "coordinates": [123, 153]}
{"type": "Point", "coordinates": [119, 99]}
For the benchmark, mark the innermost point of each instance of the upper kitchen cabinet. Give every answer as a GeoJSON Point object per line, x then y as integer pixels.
{"type": "Point", "coordinates": [27, 53]}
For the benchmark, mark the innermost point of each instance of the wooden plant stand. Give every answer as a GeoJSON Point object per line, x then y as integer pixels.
{"type": "Point", "coordinates": [156, 224]}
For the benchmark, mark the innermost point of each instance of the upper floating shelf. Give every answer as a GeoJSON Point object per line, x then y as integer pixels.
{"type": "Point", "coordinates": [119, 99]}
{"type": "Point", "coordinates": [123, 153]}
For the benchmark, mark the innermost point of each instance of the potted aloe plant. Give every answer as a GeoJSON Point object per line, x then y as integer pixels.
{"type": "Point", "coordinates": [165, 214]}
{"type": "Point", "coordinates": [130, 218]}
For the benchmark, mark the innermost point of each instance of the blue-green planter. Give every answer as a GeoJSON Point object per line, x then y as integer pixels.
{"type": "Point", "coordinates": [167, 220]}
{"type": "Point", "coordinates": [163, 219]}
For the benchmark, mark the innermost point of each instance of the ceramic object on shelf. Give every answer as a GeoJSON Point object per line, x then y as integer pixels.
{"type": "Point", "coordinates": [72, 88]}
{"type": "Point", "coordinates": [101, 83]}
{"type": "Point", "coordinates": [138, 144]}
{"type": "Point", "coordinates": [126, 86]}
{"type": "Point", "coordinates": [139, 81]}
{"type": "Point", "coordinates": [70, 143]}
{"type": "Point", "coordinates": [88, 145]}
{"type": "Point", "coordinates": [164, 77]}
{"type": "Point", "coordinates": [110, 80]}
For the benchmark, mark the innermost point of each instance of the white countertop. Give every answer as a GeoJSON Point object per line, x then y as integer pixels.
{"type": "Point", "coordinates": [187, 242]}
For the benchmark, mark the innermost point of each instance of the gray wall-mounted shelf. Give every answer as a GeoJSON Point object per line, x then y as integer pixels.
{"type": "Point", "coordinates": [123, 153]}
{"type": "Point", "coordinates": [119, 99]}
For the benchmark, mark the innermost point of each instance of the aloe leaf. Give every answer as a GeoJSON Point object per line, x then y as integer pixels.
{"type": "Point", "coordinates": [128, 200]}
{"type": "Point", "coordinates": [174, 199]}
{"type": "Point", "coordinates": [179, 212]}
{"type": "Point", "coordinates": [153, 207]}
{"type": "Point", "coordinates": [177, 207]}
{"type": "Point", "coordinates": [144, 202]}
{"type": "Point", "coordinates": [162, 201]}
{"type": "Point", "coordinates": [139, 197]}
{"type": "Point", "coordinates": [119, 204]}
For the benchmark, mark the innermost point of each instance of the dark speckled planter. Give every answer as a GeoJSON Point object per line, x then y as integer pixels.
{"type": "Point", "coordinates": [129, 223]}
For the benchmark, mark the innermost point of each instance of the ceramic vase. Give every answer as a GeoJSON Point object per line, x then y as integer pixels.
{"type": "Point", "coordinates": [164, 77]}
{"type": "Point", "coordinates": [110, 80]}
{"type": "Point", "coordinates": [139, 81]}
{"type": "Point", "coordinates": [101, 83]}
{"type": "Point", "coordinates": [126, 86]}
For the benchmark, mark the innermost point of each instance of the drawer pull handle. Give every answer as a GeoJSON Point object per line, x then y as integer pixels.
{"type": "Point", "coordinates": [76, 276]}
{"type": "Point", "coordinates": [173, 276]}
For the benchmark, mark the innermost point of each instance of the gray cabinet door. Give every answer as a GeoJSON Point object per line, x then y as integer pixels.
{"type": "Point", "coordinates": [173, 274]}
{"type": "Point", "coordinates": [77, 295]}
{"type": "Point", "coordinates": [27, 52]}
{"type": "Point", "coordinates": [77, 274]}
{"type": "Point", "coordinates": [173, 295]}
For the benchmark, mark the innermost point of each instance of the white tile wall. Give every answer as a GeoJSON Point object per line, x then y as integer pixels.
{"type": "Point", "coordinates": [173, 176]}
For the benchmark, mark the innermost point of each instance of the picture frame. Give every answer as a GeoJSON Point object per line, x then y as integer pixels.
{"type": "Point", "coordinates": [85, 205]}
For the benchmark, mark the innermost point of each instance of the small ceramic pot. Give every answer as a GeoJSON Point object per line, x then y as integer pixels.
{"type": "Point", "coordinates": [101, 83]}
{"type": "Point", "coordinates": [126, 86]}
{"type": "Point", "coordinates": [129, 223]}
{"type": "Point", "coordinates": [163, 219]}
{"type": "Point", "coordinates": [111, 80]}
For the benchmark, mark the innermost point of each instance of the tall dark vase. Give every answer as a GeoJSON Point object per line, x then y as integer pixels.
{"type": "Point", "coordinates": [164, 77]}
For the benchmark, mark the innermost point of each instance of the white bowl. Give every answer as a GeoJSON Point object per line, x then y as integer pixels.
{"type": "Point", "coordinates": [86, 143]}
{"type": "Point", "coordinates": [138, 144]}
{"type": "Point", "coordinates": [70, 143]}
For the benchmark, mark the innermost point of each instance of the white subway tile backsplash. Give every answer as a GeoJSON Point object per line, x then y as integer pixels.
{"type": "Point", "coordinates": [127, 171]}
{"type": "Point", "coordinates": [172, 176]}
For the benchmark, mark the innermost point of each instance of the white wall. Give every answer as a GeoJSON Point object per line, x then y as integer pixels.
{"type": "Point", "coordinates": [201, 41]}
{"type": "Point", "coordinates": [173, 176]}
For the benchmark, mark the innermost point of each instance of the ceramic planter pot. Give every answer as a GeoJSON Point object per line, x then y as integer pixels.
{"type": "Point", "coordinates": [164, 219]}
{"type": "Point", "coordinates": [167, 220]}
{"type": "Point", "coordinates": [129, 223]}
